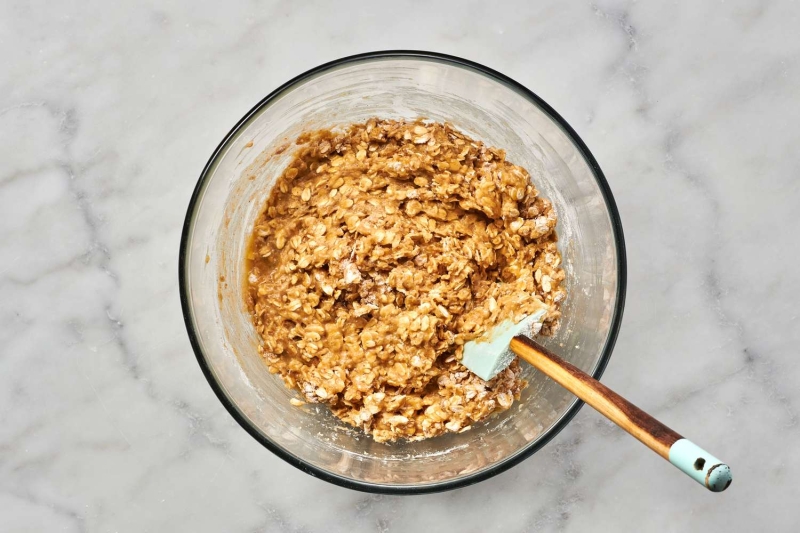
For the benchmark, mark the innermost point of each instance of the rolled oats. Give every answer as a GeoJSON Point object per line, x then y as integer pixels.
{"type": "Point", "coordinates": [382, 249]}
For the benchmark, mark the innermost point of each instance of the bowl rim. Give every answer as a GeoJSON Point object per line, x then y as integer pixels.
{"type": "Point", "coordinates": [502, 465]}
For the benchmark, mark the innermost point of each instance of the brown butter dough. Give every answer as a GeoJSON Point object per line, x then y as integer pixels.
{"type": "Point", "coordinates": [383, 249]}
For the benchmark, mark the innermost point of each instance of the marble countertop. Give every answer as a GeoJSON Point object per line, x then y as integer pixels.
{"type": "Point", "coordinates": [108, 113]}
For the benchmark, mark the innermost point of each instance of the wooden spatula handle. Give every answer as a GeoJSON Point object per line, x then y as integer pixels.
{"type": "Point", "coordinates": [698, 464]}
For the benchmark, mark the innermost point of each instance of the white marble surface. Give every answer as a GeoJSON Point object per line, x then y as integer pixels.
{"type": "Point", "coordinates": [108, 113]}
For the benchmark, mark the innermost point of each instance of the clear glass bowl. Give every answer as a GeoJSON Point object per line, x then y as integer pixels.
{"type": "Point", "coordinates": [235, 183]}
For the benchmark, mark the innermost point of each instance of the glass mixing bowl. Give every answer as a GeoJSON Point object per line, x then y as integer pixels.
{"type": "Point", "coordinates": [235, 183]}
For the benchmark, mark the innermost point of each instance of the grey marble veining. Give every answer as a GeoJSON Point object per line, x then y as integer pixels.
{"type": "Point", "coordinates": [108, 112]}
